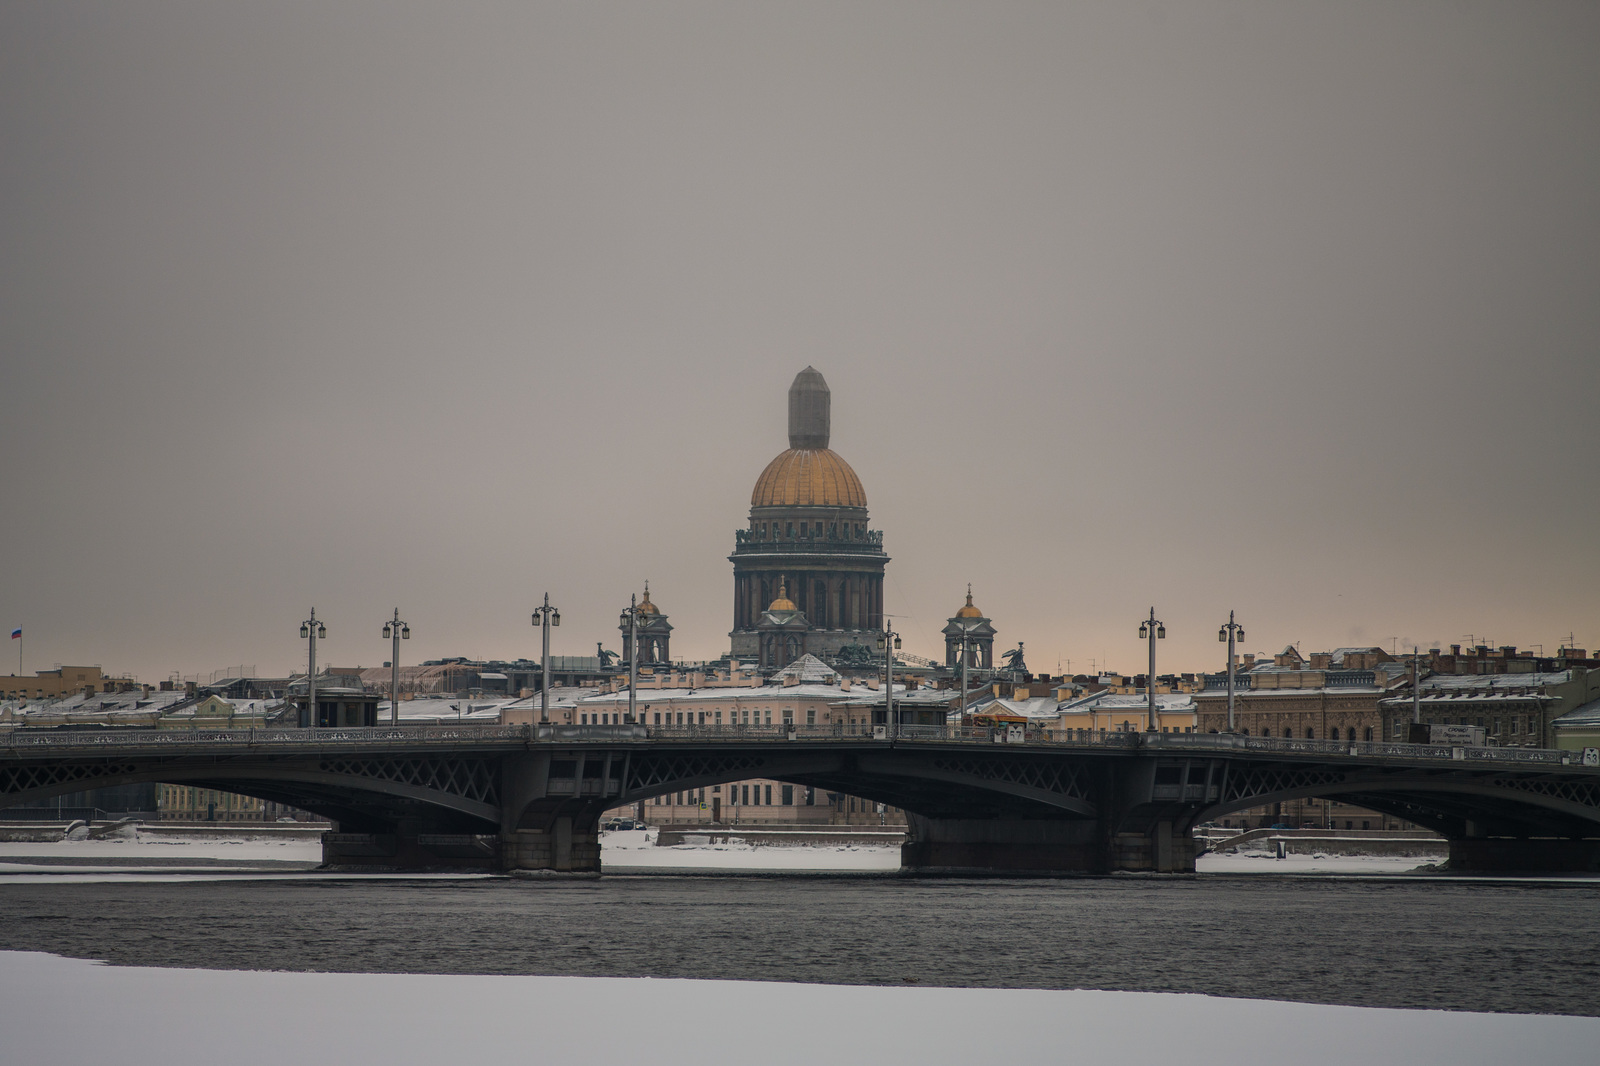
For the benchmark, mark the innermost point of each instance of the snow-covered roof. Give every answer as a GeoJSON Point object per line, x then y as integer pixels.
{"type": "Point", "coordinates": [1584, 717]}
{"type": "Point", "coordinates": [809, 669]}
{"type": "Point", "coordinates": [830, 693]}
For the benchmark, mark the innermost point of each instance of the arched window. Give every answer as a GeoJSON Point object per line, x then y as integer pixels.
{"type": "Point", "coordinates": [1311, 734]}
{"type": "Point", "coordinates": [1351, 735]}
{"type": "Point", "coordinates": [1288, 734]}
{"type": "Point", "coordinates": [1368, 734]}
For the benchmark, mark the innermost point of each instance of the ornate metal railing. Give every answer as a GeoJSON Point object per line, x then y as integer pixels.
{"type": "Point", "coordinates": [21, 741]}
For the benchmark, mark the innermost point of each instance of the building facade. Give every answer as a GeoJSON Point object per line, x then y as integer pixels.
{"type": "Point", "coordinates": [808, 536]}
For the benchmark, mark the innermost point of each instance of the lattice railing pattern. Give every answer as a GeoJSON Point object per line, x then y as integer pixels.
{"type": "Point", "coordinates": [25, 777]}
{"type": "Point", "coordinates": [1242, 783]}
{"type": "Point", "coordinates": [1582, 793]}
{"type": "Point", "coordinates": [1061, 778]}
{"type": "Point", "coordinates": [474, 779]}
{"type": "Point", "coordinates": [647, 772]}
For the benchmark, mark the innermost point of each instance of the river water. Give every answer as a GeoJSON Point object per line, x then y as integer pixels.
{"type": "Point", "coordinates": [1388, 942]}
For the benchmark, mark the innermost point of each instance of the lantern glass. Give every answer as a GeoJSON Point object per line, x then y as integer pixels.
{"type": "Point", "coordinates": [305, 631]}
{"type": "Point", "coordinates": [1144, 631]}
{"type": "Point", "coordinates": [1161, 632]}
{"type": "Point", "coordinates": [555, 618]}
{"type": "Point", "coordinates": [536, 618]}
{"type": "Point", "coordinates": [322, 631]}
{"type": "Point", "coordinates": [1239, 635]}
{"type": "Point", "coordinates": [387, 632]}
{"type": "Point", "coordinates": [405, 633]}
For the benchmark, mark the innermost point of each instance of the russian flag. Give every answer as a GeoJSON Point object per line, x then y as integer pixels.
{"type": "Point", "coordinates": [16, 634]}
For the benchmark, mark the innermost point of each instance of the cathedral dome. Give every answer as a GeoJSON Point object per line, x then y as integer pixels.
{"type": "Point", "coordinates": [808, 477]}
{"type": "Point", "coordinates": [969, 611]}
{"type": "Point", "coordinates": [647, 607]}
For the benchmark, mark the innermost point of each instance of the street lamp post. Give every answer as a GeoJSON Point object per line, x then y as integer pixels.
{"type": "Point", "coordinates": [1152, 629]}
{"type": "Point", "coordinates": [395, 630]}
{"type": "Point", "coordinates": [889, 641]}
{"type": "Point", "coordinates": [966, 645]}
{"type": "Point", "coordinates": [1230, 632]}
{"type": "Point", "coordinates": [311, 630]}
{"type": "Point", "coordinates": [630, 618]}
{"type": "Point", "coordinates": [545, 617]}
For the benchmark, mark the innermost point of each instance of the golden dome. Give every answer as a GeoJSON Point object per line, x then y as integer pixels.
{"type": "Point", "coordinates": [646, 607]}
{"type": "Point", "coordinates": [969, 611]}
{"type": "Point", "coordinates": [808, 477]}
{"type": "Point", "coordinates": [783, 602]}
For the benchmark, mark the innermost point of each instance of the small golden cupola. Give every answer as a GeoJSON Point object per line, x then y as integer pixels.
{"type": "Point", "coordinates": [646, 607]}
{"type": "Point", "coordinates": [969, 611]}
{"type": "Point", "coordinates": [783, 603]}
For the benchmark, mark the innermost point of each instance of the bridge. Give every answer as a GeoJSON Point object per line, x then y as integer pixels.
{"type": "Point", "coordinates": [977, 800]}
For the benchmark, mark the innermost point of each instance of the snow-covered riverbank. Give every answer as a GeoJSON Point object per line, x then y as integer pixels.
{"type": "Point", "coordinates": [622, 852]}
{"type": "Point", "coordinates": [68, 1012]}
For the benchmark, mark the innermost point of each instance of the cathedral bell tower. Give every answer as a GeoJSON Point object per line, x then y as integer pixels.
{"type": "Point", "coordinates": [808, 535]}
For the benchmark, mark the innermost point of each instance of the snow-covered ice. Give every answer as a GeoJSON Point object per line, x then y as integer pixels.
{"type": "Point", "coordinates": [69, 1011]}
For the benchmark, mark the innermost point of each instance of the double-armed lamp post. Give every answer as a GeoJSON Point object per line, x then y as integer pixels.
{"type": "Point", "coordinates": [889, 641]}
{"type": "Point", "coordinates": [1152, 629]}
{"type": "Point", "coordinates": [395, 630]}
{"type": "Point", "coordinates": [1231, 632]}
{"type": "Point", "coordinates": [311, 630]}
{"type": "Point", "coordinates": [545, 617]}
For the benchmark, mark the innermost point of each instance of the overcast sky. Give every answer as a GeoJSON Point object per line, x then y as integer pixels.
{"type": "Point", "coordinates": [1290, 309]}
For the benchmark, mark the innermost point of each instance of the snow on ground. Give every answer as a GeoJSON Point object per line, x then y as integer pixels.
{"type": "Point", "coordinates": [1264, 863]}
{"type": "Point", "coordinates": [165, 848]}
{"type": "Point", "coordinates": [69, 1011]}
{"type": "Point", "coordinates": [635, 849]}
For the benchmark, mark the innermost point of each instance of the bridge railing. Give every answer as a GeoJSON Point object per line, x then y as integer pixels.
{"type": "Point", "coordinates": [284, 739]}
{"type": "Point", "coordinates": [18, 741]}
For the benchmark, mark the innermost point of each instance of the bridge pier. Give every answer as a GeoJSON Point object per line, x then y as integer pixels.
{"type": "Point", "coordinates": [408, 849]}
{"type": "Point", "coordinates": [1030, 846]}
{"type": "Point", "coordinates": [566, 844]}
{"type": "Point", "coordinates": [1549, 855]}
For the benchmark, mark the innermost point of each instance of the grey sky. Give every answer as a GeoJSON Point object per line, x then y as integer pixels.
{"type": "Point", "coordinates": [1290, 309]}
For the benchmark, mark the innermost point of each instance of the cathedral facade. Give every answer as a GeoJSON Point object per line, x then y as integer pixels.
{"type": "Point", "coordinates": [807, 570]}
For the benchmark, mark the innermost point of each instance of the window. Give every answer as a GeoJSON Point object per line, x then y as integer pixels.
{"type": "Point", "coordinates": [746, 793]}
{"type": "Point", "coordinates": [1311, 734]}
{"type": "Point", "coordinates": [658, 718]}
{"type": "Point", "coordinates": [1366, 734]}
{"type": "Point", "coordinates": [1288, 734]}
{"type": "Point", "coordinates": [811, 716]}
{"type": "Point", "coordinates": [769, 795]}
{"type": "Point", "coordinates": [787, 795]}
{"type": "Point", "coordinates": [719, 717]}
{"type": "Point", "coordinates": [769, 716]}
{"type": "Point", "coordinates": [790, 529]}
{"type": "Point", "coordinates": [788, 716]}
